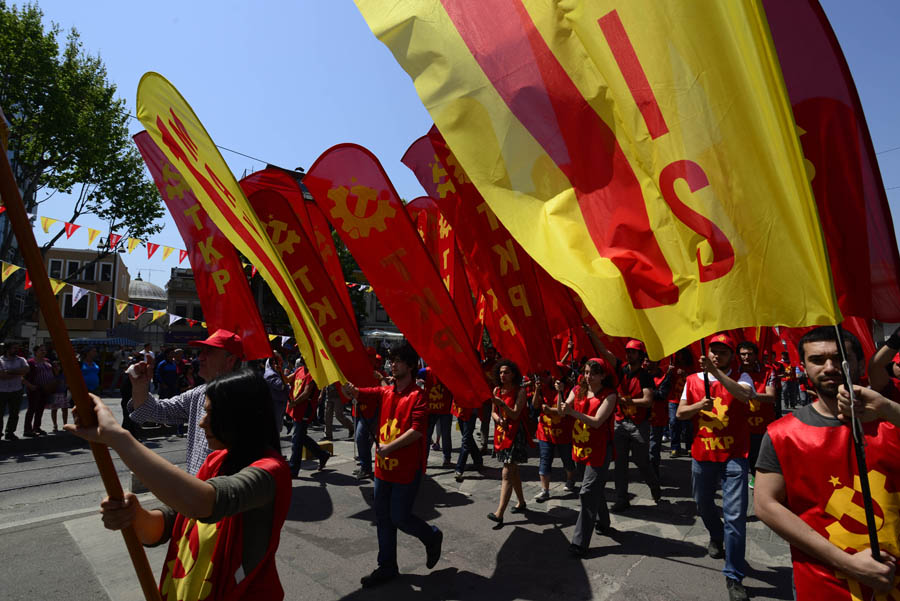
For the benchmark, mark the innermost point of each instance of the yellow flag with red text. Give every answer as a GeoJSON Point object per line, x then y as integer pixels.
{"type": "Point", "coordinates": [177, 131]}
{"type": "Point", "coordinates": [643, 152]}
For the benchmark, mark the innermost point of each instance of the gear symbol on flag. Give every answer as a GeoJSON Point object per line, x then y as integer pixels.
{"type": "Point", "coordinates": [847, 511]}
{"type": "Point", "coordinates": [716, 419]}
{"type": "Point", "coordinates": [580, 432]}
{"type": "Point", "coordinates": [356, 222]}
{"type": "Point", "coordinates": [389, 431]}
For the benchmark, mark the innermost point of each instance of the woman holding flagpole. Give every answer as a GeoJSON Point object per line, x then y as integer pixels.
{"type": "Point", "coordinates": [510, 435]}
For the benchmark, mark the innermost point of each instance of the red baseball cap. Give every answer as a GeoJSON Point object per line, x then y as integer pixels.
{"type": "Point", "coordinates": [723, 339]}
{"type": "Point", "coordinates": [636, 345]}
{"type": "Point", "coordinates": [604, 364]}
{"type": "Point", "coordinates": [223, 339]}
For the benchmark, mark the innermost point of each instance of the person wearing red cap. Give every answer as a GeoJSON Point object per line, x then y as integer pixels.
{"type": "Point", "coordinates": [719, 455]}
{"type": "Point", "coordinates": [219, 354]}
{"type": "Point", "coordinates": [632, 431]}
{"type": "Point", "coordinates": [591, 403]}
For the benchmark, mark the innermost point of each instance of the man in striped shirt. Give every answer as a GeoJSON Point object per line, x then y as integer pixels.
{"type": "Point", "coordinates": [219, 354]}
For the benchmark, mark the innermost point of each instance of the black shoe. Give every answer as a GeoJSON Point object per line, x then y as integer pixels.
{"type": "Point", "coordinates": [30, 434]}
{"type": "Point", "coordinates": [576, 551]}
{"type": "Point", "coordinates": [657, 498]}
{"type": "Point", "coordinates": [433, 551]}
{"type": "Point", "coordinates": [519, 508]}
{"type": "Point", "coordinates": [736, 590]}
{"type": "Point", "coordinates": [458, 476]}
{"type": "Point", "coordinates": [363, 475]}
{"type": "Point", "coordinates": [494, 518]}
{"type": "Point", "coordinates": [715, 550]}
{"type": "Point", "coordinates": [602, 530]}
{"type": "Point", "coordinates": [620, 506]}
{"type": "Point", "coordinates": [378, 577]}
{"type": "Point", "coordinates": [295, 475]}
{"type": "Point", "coordinates": [323, 460]}
{"type": "Point", "coordinates": [11, 436]}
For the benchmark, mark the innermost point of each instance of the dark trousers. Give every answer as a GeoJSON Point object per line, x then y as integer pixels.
{"type": "Point", "coordinates": [656, 436]}
{"type": "Point", "coordinates": [468, 444]}
{"type": "Point", "coordinates": [755, 443]}
{"type": "Point", "coordinates": [635, 439]}
{"type": "Point", "coordinates": [12, 402]}
{"type": "Point", "coordinates": [593, 502]}
{"type": "Point", "coordinates": [364, 440]}
{"type": "Point", "coordinates": [444, 422]}
{"type": "Point", "coordinates": [679, 430]}
{"type": "Point", "coordinates": [37, 400]}
{"type": "Point", "coordinates": [393, 511]}
{"type": "Point", "coordinates": [300, 438]}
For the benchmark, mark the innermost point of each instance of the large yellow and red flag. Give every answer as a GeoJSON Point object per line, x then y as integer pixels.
{"type": "Point", "coordinates": [644, 153]}
{"type": "Point", "coordinates": [177, 131]}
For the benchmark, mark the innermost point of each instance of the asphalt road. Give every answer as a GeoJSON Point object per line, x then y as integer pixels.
{"type": "Point", "coordinates": [52, 545]}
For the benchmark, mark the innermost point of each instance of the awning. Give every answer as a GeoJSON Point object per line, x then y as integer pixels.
{"type": "Point", "coordinates": [105, 342]}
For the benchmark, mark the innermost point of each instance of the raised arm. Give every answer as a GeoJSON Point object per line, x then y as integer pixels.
{"type": "Point", "coordinates": [878, 376]}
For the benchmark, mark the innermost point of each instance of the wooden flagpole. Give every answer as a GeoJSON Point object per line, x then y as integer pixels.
{"type": "Point", "coordinates": [34, 263]}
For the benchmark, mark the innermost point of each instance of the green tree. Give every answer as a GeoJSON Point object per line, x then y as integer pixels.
{"type": "Point", "coordinates": [69, 134]}
{"type": "Point", "coordinates": [350, 268]}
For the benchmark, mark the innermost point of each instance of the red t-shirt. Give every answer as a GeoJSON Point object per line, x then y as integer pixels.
{"type": "Point", "coordinates": [659, 411]}
{"type": "Point", "coordinates": [553, 428]}
{"type": "Point", "coordinates": [722, 432]}
{"type": "Point", "coordinates": [630, 388]}
{"type": "Point", "coordinates": [761, 414]}
{"type": "Point", "coordinates": [436, 394]}
{"type": "Point", "coordinates": [204, 560]}
{"type": "Point", "coordinates": [401, 410]}
{"type": "Point", "coordinates": [504, 436]}
{"type": "Point", "coordinates": [302, 380]}
{"type": "Point", "coordinates": [589, 444]}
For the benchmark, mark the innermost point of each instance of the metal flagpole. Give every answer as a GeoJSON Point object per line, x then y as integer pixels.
{"type": "Point", "coordinates": [34, 263]}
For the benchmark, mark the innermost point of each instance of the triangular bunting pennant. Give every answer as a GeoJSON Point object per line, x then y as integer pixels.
{"type": "Point", "coordinates": [272, 337]}
{"type": "Point", "coordinates": [284, 340]}
{"type": "Point", "coordinates": [151, 248]}
{"type": "Point", "coordinates": [46, 222]}
{"type": "Point", "coordinates": [252, 271]}
{"type": "Point", "coordinates": [167, 250]}
{"type": "Point", "coordinates": [2, 209]}
{"type": "Point", "coordinates": [56, 285]}
{"type": "Point", "coordinates": [77, 294]}
{"type": "Point", "coordinates": [174, 318]}
{"type": "Point", "coordinates": [132, 243]}
{"type": "Point", "coordinates": [203, 324]}
{"type": "Point", "coordinates": [92, 234]}
{"type": "Point", "coordinates": [121, 306]}
{"type": "Point", "coordinates": [8, 270]}
{"type": "Point", "coordinates": [157, 315]}
{"type": "Point", "coordinates": [114, 240]}
{"type": "Point", "coordinates": [139, 310]}
{"type": "Point", "coordinates": [71, 228]}
{"type": "Point", "coordinates": [192, 322]}
{"type": "Point", "coordinates": [101, 301]}
{"type": "Point", "coordinates": [182, 255]}
{"type": "Point", "coordinates": [27, 281]}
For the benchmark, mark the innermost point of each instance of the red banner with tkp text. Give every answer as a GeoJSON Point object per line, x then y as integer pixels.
{"type": "Point", "coordinates": [225, 296]}
{"type": "Point", "coordinates": [320, 234]}
{"type": "Point", "coordinates": [356, 195]}
{"type": "Point", "coordinates": [440, 241]}
{"type": "Point", "coordinates": [273, 193]}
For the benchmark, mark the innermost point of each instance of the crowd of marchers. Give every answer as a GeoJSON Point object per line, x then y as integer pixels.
{"type": "Point", "coordinates": [748, 423]}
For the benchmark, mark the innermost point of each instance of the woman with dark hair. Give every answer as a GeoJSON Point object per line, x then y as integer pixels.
{"type": "Point", "coordinates": [592, 403]}
{"type": "Point", "coordinates": [510, 435]}
{"type": "Point", "coordinates": [229, 516]}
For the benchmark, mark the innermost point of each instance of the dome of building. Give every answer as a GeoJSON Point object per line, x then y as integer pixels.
{"type": "Point", "coordinates": [139, 290]}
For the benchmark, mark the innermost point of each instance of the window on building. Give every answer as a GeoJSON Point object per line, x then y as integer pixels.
{"type": "Point", "coordinates": [72, 268]}
{"type": "Point", "coordinates": [88, 274]}
{"type": "Point", "coordinates": [56, 268]}
{"type": "Point", "coordinates": [79, 311]}
{"type": "Point", "coordinates": [181, 310]}
{"type": "Point", "coordinates": [106, 272]}
{"type": "Point", "coordinates": [197, 313]}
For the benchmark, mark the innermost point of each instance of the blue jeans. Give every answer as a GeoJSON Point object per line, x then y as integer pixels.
{"type": "Point", "coordinates": [548, 450]}
{"type": "Point", "coordinates": [300, 438]}
{"type": "Point", "coordinates": [679, 430]}
{"type": "Point", "coordinates": [444, 420]}
{"type": "Point", "coordinates": [706, 477]}
{"type": "Point", "coordinates": [393, 511]}
{"type": "Point", "coordinates": [364, 440]}
{"type": "Point", "coordinates": [468, 444]}
{"type": "Point", "coordinates": [656, 436]}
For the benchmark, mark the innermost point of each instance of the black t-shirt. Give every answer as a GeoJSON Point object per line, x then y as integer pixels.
{"type": "Point", "coordinates": [768, 459]}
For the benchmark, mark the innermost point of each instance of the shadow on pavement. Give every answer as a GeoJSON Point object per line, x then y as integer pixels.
{"type": "Point", "coordinates": [779, 579]}
{"type": "Point", "coordinates": [310, 503]}
{"type": "Point", "coordinates": [513, 577]}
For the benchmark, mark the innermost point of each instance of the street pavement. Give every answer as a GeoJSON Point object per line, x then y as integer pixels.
{"type": "Point", "coordinates": [54, 546]}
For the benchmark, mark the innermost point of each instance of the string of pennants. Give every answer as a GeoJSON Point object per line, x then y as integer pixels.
{"type": "Point", "coordinates": [78, 293]}
{"type": "Point", "coordinates": [130, 244]}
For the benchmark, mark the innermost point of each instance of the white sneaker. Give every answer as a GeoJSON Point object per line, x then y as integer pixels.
{"type": "Point", "coordinates": [570, 487]}
{"type": "Point", "coordinates": [542, 496]}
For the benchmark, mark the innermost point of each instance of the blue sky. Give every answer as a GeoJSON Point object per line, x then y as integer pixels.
{"type": "Point", "coordinates": [282, 81]}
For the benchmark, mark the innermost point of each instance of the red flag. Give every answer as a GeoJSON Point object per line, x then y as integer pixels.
{"type": "Point", "coordinates": [101, 300]}
{"type": "Point", "coordinates": [320, 232]}
{"type": "Point", "coordinates": [853, 208]}
{"type": "Point", "coordinates": [151, 248]}
{"type": "Point", "coordinates": [224, 294]}
{"type": "Point", "coordinates": [71, 228]}
{"type": "Point", "coordinates": [353, 190]}
{"type": "Point", "coordinates": [273, 193]}
{"type": "Point", "coordinates": [139, 310]}
{"type": "Point", "coordinates": [114, 240]}
{"type": "Point", "coordinates": [182, 255]}
{"type": "Point", "coordinates": [191, 322]}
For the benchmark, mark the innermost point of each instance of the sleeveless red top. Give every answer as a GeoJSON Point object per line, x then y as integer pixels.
{"type": "Point", "coordinates": [589, 444]}
{"type": "Point", "coordinates": [630, 388]}
{"type": "Point", "coordinates": [761, 414]}
{"type": "Point", "coordinates": [504, 437]}
{"type": "Point", "coordinates": [721, 433]}
{"type": "Point", "coordinates": [822, 488]}
{"type": "Point", "coordinates": [554, 429]}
